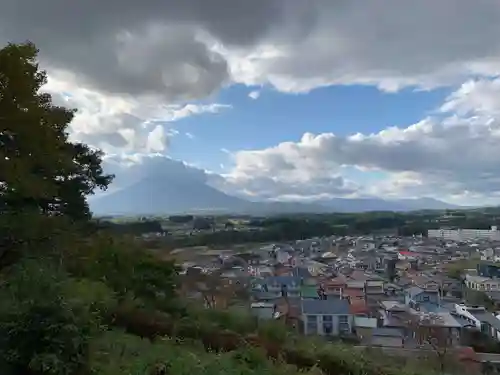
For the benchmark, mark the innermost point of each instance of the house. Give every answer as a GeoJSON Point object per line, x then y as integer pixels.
{"type": "Point", "coordinates": [468, 313]}
{"type": "Point", "coordinates": [386, 337]}
{"type": "Point", "coordinates": [393, 314]}
{"type": "Point", "coordinates": [489, 324]}
{"type": "Point", "coordinates": [489, 270]}
{"type": "Point", "coordinates": [425, 282]}
{"type": "Point", "coordinates": [415, 295]}
{"type": "Point", "coordinates": [326, 317]}
{"type": "Point", "coordinates": [282, 285]}
{"type": "Point", "coordinates": [494, 297]}
{"type": "Point", "coordinates": [263, 296]}
{"type": "Point", "coordinates": [442, 325]}
{"type": "Point", "coordinates": [374, 287]}
{"type": "Point", "coordinates": [310, 291]}
{"type": "Point", "coordinates": [482, 284]}
{"type": "Point", "coordinates": [359, 308]}
{"type": "Point", "coordinates": [263, 310]}
{"type": "Point", "coordinates": [364, 326]}
{"type": "Point", "coordinates": [333, 287]}
{"type": "Point", "coordinates": [303, 274]}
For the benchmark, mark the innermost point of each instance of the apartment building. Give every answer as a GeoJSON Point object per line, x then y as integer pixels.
{"type": "Point", "coordinates": [483, 284]}
{"type": "Point", "coordinates": [326, 317]}
{"type": "Point", "coordinates": [465, 234]}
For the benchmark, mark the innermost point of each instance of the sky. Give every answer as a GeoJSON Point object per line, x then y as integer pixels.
{"type": "Point", "coordinates": [280, 99]}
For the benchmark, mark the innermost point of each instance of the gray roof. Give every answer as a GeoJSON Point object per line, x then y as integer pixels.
{"type": "Point", "coordinates": [495, 296]}
{"type": "Point", "coordinates": [387, 332]}
{"type": "Point", "coordinates": [414, 291]}
{"type": "Point", "coordinates": [325, 307]}
{"type": "Point", "coordinates": [263, 295]}
{"type": "Point", "coordinates": [490, 319]}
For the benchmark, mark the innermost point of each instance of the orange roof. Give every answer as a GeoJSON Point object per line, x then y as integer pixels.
{"type": "Point", "coordinates": [358, 307]}
{"type": "Point", "coordinates": [349, 292]}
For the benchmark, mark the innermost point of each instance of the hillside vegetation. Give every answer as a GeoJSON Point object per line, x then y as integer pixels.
{"type": "Point", "coordinates": [80, 301]}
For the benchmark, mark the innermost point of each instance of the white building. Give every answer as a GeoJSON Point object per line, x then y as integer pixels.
{"type": "Point", "coordinates": [467, 313]}
{"type": "Point", "coordinates": [464, 234]}
{"type": "Point", "coordinates": [482, 284]}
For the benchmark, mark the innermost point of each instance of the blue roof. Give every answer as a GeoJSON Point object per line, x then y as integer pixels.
{"type": "Point", "coordinates": [325, 307]}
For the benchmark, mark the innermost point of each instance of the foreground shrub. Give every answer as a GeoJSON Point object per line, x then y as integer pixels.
{"type": "Point", "coordinates": [118, 353]}
{"type": "Point", "coordinates": [43, 328]}
{"type": "Point", "coordinates": [126, 269]}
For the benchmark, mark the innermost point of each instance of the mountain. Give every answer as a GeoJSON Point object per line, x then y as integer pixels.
{"type": "Point", "coordinates": [156, 195]}
{"type": "Point", "coordinates": [153, 195]}
{"type": "Point", "coordinates": [375, 204]}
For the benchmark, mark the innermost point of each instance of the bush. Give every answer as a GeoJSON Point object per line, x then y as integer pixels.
{"type": "Point", "coordinates": [42, 328]}
{"type": "Point", "coordinates": [118, 353]}
{"type": "Point", "coordinates": [128, 270]}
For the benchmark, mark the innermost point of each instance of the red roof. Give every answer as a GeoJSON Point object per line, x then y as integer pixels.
{"type": "Point", "coordinates": [358, 308]}
{"type": "Point", "coordinates": [405, 252]}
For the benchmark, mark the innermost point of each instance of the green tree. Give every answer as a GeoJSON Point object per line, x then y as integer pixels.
{"type": "Point", "coordinates": [47, 319]}
{"type": "Point", "coordinates": [41, 171]}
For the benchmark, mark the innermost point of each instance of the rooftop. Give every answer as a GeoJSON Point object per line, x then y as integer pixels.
{"type": "Point", "coordinates": [489, 319]}
{"type": "Point", "coordinates": [476, 279]}
{"type": "Point", "coordinates": [325, 307]}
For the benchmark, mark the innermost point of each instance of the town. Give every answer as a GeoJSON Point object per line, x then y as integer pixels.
{"type": "Point", "coordinates": [408, 296]}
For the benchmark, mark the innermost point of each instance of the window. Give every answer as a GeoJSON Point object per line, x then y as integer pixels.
{"type": "Point", "coordinates": [327, 318]}
{"type": "Point", "coordinates": [328, 328]}
{"type": "Point", "coordinates": [425, 298]}
{"type": "Point", "coordinates": [343, 324]}
{"type": "Point", "coordinates": [311, 319]}
{"type": "Point", "coordinates": [312, 324]}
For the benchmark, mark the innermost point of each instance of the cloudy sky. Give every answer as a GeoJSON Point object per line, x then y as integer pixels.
{"type": "Point", "coordinates": [281, 99]}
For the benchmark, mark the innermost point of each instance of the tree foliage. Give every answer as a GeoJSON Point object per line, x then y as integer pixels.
{"type": "Point", "coordinates": [45, 327]}
{"type": "Point", "coordinates": [40, 169]}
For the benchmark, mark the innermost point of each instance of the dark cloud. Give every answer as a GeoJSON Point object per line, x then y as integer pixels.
{"type": "Point", "coordinates": [164, 47]}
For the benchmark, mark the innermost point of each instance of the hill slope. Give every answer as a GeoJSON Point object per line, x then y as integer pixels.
{"type": "Point", "coordinates": [158, 194]}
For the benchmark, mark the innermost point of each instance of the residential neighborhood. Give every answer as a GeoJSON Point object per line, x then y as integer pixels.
{"type": "Point", "coordinates": [394, 293]}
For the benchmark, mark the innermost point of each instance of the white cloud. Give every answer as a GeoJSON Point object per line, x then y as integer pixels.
{"type": "Point", "coordinates": [189, 135]}
{"type": "Point", "coordinates": [453, 156]}
{"type": "Point", "coordinates": [121, 122]}
{"type": "Point", "coordinates": [254, 95]}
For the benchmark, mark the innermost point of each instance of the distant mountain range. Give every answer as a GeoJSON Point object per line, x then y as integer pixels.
{"type": "Point", "coordinates": [156, 195]}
